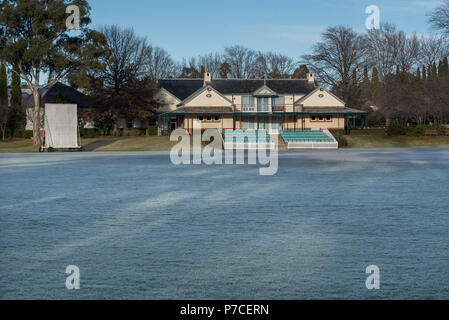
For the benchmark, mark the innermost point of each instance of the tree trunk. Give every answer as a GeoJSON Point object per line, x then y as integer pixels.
{"type": "Point", "coordinates": [37, 118]}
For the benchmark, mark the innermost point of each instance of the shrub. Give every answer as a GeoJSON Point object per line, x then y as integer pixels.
{"type": "Point", "coordinates": [440, 129]}
{"type": "Point", "coordinates": [341, 139]}
{"type": "Point", "coordinates": [132, 132]}
{"type": "Point", "coordinates": [395, 130]}
{"type": "Point", "coordinates": [89, 133]}
{"type": "Point", "coordinates": [25, 134]}
{"type": "Point", "coordinates": [28, 134]}
{"type": "Point", "coordinates": [375, 119]}
{"type": "Point", "coordinates": [415, 131]}
{"type": "Point", "coordinates": [152, 131]}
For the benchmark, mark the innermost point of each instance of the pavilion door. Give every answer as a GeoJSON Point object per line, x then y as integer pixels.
{"type": "Point", "coordinates": [172, 125]}
{"type": "Point", "coordinates": [277, 123]}
{"type": "Point", "coordinates": [263, 123]}
{"type": "Point", "coordinates": [248, 123]}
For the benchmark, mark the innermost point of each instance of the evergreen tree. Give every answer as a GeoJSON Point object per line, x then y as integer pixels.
{"type": "Point", "coordinates": [354, 91]}
{"type": "Point", "coordinates": [3, 84]}
{"type": "Point", "coordinates": [16, 91]}
{"type": "Point", "coordinates": [434, 72]}
{"type": "Point", "coordinates": [375, 84]}
{"type": "Point", "coordinates": [440, 70]}
{"type": "Point", "coordinates": [35, 40]}
{"type": "Point", "coordinates": [366, 85]}
{"type": "Point", "coordinates": [301, 72]}
{"type": "Point", "coordinates": [225, 70]}
{"type": "Point", "coordinates": [418, 75]}
{"type": "Point", "coordinates": [3, 100]}
{"type": "Point", "coordinates": [16, 114]}
{"type": "Point", "coordinates": [445, 69]}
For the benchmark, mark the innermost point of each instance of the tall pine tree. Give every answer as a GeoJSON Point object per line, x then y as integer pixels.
{"type": "Point", "coordinates": [445, 69]}
{"type": "Point", "coordinates": [16, 91]}
{"type": "Point", "coordinates": [375, 84]}
{"type": "Point", "coordinates": [366, 85]}
{"type": "Point", "coordinates": [3, 100]}
{"type": "Point", "coordinates": [434, 72]}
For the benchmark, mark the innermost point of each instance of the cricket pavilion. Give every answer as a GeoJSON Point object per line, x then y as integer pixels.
{"type": "Point", "coordinates": [297, 111]}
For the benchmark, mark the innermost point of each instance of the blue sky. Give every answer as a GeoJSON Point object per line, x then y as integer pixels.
{"type": "Point", "coordinates": [187, 28]}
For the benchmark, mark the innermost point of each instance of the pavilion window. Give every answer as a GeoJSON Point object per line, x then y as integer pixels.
{"type": "Point", "coordinates": [262, 104]}
{"type": "Point", "coordinates": [248, 103]}
{"type": "Point", "coordinates": [277, 101]}
{"type": "Point", "coordinates": [328, 118]}
{"type": "Point", "coordinates": [200, 118]}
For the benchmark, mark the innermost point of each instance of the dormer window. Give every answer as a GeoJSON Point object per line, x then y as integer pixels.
{"type": "Point", "coordinates": [262, 104]}
{"type": "Point", "coordinates": [248, 103]}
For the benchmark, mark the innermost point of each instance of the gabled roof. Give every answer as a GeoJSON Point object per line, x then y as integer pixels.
{"type": "Point", "coordinates": [169, 93]}
{"type": "Point", "coordinates": [280, 86]}
{"type": "Point", "coordinates": [61, 90]}
{"type": "Point", "coordinates": [199, 91]}
{"type": "Point", "coordinates": [264, 91]}
{"type": "Point", "coordinates": [183, 88]}
{"type": "Point", "coordinates": [314, 91]}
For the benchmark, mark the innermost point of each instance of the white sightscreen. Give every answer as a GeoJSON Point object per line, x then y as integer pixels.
{"type": "Point", "coordinates": [61, 126]}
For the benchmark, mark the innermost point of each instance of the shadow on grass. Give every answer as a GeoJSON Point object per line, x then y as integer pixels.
{"type": "Point", "coordinates": [98, 144]}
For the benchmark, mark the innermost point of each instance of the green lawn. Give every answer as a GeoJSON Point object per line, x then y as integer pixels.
{"type": "Point", "coordinates": [102, 144]}
{"type": "Point", "coordinates": [381, 140]}
{"type": "Point", "coordinates": [19, 146]}
{"type": "Point", "coordinates": [358, 139]}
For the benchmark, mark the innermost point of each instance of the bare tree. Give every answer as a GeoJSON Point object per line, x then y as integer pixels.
{"type": "Point", "coordinates": [274, 64]}
{"type": "Point", "coordinates": [195, 67]}
{"type": "Point", "coordinates": [408, 51]}
{"type": "Point", "coordinates": [432, 48]}
{"type": "Point", "coordinates": [191, 69]}
{"type": "Point", "coordinates": [128, 57]}
{"type": "Point", "coordinates": [242, 61]}
{"type": "Point", "coordinates": [383, 49]}
{"type": "Point", "coordinates": [158, 64]}
{"type": "Point", "coordinates": [334, 58]}
{"type": "Point", "coordinates": [211, 63]}
{"type": "Point", "coordinates": [439, 18]}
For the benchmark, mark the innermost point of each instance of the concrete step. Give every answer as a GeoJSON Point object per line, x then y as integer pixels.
{"type": "Point", "coordinates": [280, 142]}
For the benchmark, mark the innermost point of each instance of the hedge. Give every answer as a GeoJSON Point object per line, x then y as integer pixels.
{"type": "Point", "coordinates": [25, 134]}
{"type": "Point", "coordinates": [340, 137]}
{"type": "Point", "coordinates": [89, 133]}
{"type": "Point", "coordinates": [152, 131]}
{"type": "Point", "coordinates": [396, 130]}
